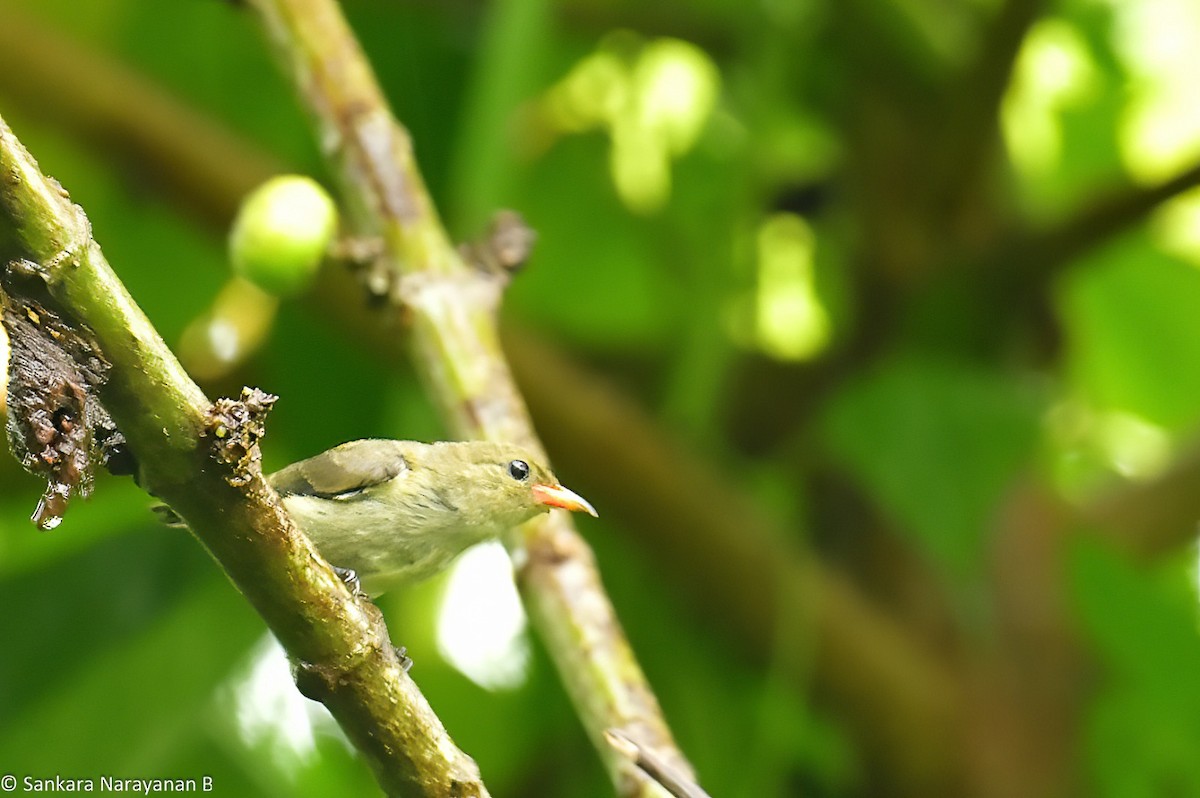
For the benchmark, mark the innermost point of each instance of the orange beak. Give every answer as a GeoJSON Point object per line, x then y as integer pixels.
{"type": "Point", "coordinates": [558, 496]}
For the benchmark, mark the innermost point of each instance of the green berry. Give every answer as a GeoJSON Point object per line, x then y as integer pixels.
{"type": "Point", "coordinates": [281, 233]}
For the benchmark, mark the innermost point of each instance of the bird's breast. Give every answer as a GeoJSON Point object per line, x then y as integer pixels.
{"type": "Point", "coordinates": [374, 537]}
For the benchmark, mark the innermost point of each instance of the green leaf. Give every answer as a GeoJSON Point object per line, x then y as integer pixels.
{"type": "Point", "coordinates": [1132, 318]}
{"type": "Point", "coordinates": [937, 443]}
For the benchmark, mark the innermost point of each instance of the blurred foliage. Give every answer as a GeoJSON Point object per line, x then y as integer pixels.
{"type": "Point", "coordinates": [1146, 629]}
{"type": "Point", "coordinates": [772, 226]}
{"type": "Point", "coordinates": [974, 432]}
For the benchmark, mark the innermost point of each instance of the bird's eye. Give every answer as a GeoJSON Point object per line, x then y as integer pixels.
{"type": "Point", "coordinates": [518, 470]}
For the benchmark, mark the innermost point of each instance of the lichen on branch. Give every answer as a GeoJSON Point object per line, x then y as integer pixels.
{"type": "Point", "coordinates": [58, 428]}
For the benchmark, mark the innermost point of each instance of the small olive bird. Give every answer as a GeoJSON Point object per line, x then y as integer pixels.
{"type": "Point", "coordinates": [388, 513]}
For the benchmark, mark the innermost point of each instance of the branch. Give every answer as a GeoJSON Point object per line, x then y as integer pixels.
{"type": "Point", "coordinates": [344, 655]}
{"type": "Point", "coordinates": [451, 309]}
{"type": "Point", "coordinates": [969, 137]}
{"type": "Point", "coordinates": [901, 702]}
{"type": "Point", "coordinates": [1045, 253]}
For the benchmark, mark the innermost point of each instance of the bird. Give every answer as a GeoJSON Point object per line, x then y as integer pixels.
{"type": "Point", "coordinates": [386, 513]}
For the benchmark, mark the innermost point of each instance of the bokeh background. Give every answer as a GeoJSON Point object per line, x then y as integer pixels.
{"type": "Point", "coordinates": [869, 326]}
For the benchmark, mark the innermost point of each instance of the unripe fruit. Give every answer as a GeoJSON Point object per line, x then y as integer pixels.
{"type": "Point", "coordinates": [281, 233]}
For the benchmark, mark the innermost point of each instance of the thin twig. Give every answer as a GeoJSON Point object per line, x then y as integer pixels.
{"type": "Point", "coordinates": [654, 766]}
{"type": "Point", "coordinates": [1040, 254]}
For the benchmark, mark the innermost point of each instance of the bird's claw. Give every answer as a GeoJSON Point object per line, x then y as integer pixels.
{"type": "Point", "coordinates": [402, 655]}
{"type": "Point", "coordinates": [350, 577]}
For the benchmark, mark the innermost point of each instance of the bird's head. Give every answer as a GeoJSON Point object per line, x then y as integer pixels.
{"type": "Point", "coordinates": [503, 483]}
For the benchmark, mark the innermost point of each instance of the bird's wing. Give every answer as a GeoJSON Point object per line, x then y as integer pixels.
{"type": "Point", "coordinates": [342, 470]}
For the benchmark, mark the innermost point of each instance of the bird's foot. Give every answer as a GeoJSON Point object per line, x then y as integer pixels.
{"type": "Point", "coordinates": [350, 577]}
{"type": "Point", "coordinates": [402, 655]}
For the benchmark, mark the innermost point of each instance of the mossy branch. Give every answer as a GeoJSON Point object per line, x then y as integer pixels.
{"type": "Point", "coordinates": [450, 308]}
{"type": "Point", "coordinates": [340, 644]}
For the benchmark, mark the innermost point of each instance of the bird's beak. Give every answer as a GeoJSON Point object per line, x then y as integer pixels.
{"type": "Point", "coordinates": [558, 496]}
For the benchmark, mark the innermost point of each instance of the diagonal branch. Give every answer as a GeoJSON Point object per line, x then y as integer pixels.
{"type": "Point", "coordinates": [451, 310]}
{"type": "Point", "coordinates": [1045, 253]}
{"type": "Point", "coordinates": [746, 571]}
{"type": "Point", "coordinates": [341, 645]}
